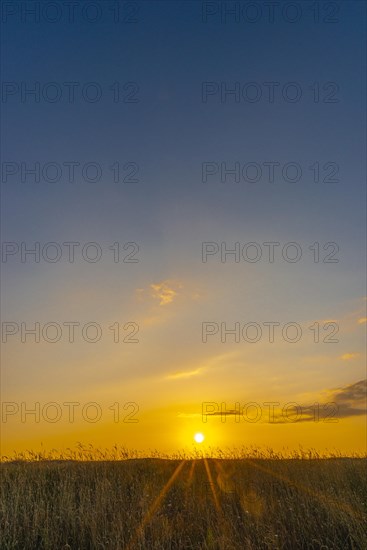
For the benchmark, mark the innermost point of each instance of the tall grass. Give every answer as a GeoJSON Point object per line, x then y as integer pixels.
{"type": "Point", "coordinates": [90, 499]}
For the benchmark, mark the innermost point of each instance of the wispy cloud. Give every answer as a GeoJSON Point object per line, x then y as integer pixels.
{"type": "Point", "coordinates": [348, 401]}
{"type": "Point", "coordinates": [185, 374]}
{"type": "Point", "coordinates": [165, 292]}
{"type": "Point", "coordinates": [349, 356]}
{"type": "Point", "coordinates": [189, 415]}
{"type": "Point", "coordinates": [341, 403]}
{"type": "Point", "coordinates": [213, 362]}
{"type": "Point", "coordinates": [353, 393]}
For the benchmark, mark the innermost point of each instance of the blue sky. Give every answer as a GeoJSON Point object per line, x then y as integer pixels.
{"type": "Point", "coordinates": [169, 132]}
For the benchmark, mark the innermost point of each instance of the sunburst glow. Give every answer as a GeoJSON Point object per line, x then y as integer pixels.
{"type": "Point", "coordinates": [199, 438]}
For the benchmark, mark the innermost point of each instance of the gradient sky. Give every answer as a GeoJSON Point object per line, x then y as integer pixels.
{"type": "Point", "coordinates": [169, 52]}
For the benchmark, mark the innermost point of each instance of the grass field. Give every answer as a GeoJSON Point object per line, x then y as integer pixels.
{"type": "Point", "coordinates": [211, 503]}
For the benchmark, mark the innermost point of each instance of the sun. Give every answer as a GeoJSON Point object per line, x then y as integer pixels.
{"type": "Point", "coordinates": [199, 438]}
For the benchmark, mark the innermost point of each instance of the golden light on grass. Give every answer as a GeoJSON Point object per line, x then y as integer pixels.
{"type": "Point", "coordinates": [199, 437]}
{"type": "Point", "coordinates": [144, 498]}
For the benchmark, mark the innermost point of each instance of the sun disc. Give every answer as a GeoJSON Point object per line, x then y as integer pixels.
{"type": "Point", "coordinates": [199, 438]}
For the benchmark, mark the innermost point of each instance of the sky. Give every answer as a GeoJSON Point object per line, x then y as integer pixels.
{"type": "Point", "coordinates": [159, 137]}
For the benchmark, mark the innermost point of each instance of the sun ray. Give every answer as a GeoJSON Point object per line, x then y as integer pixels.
{"type": "Point", "coordinates": [154, 507]}
{"type": "Point", "coordinates": [191, 473]}
{"type": "Point", "coordinates": [320, 496]}
{"type": "Point", "coordinates": [211, 483]}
